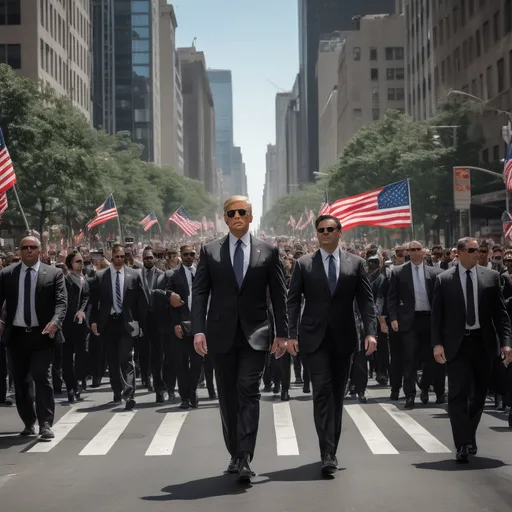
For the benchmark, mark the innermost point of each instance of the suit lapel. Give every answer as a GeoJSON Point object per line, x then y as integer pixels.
{"type": "Point", "coordinates": [428, 284]}
{"type": "Point", "coordinates": [127, 275]}
{"type": "Point", "coordinates": [183, 276]}
{"type": "Point", "coordinates": [107, 278]}
{"type": "Point", "coordinates": [254, 257]}
{"type": "Point", "coordinates": [15, 276]}
{"type": "Point", "coordinates": [344, 271]}
{"type": "Point", "coordinates": [225, 259]}
{"type": "Point", "coordinates": [480, 283]}
{"type": "Point", "coordinates": [459, 291]}
{"type": "Point", "coordinates": [41, 278]}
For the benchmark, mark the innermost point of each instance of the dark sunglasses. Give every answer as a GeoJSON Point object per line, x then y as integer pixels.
{"type": "Point", "coordinates": [187, 254]}
{"type": "Point", "coordinates": [482, 251]}
{"type": "Point", "coordinates": [120, 256]}
{"type": "Point", "coordinates": [148, 257]}
{"type": "Point", "coordinates": [472, 250]}
{"type": "Point", "coordinates": [330, 229]}
{"type": "Point", "coordinates": [78, 261]}
{"type": "Point", "coordinates": [415, 249]}
{"type": "Point", "coordinates": [31, 247]}
{"type": "Point", "coordinates": [241, 212]}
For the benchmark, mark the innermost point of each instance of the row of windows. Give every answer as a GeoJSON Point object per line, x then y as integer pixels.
{"type": "Point", "coordinates": [394, 94]}
{"type": "Point", "coordinates": [357, 114]}
{"type": "Point", "coordinates": [11, 54]}
{"type": "Point", "coordinates": [391, 53]}
{"type": "Point", "coordinates": [10, 12]}
{"type": "Point", "coordinates": [391, 74]}
{"type": "Point", "coordinates": [52, 21]}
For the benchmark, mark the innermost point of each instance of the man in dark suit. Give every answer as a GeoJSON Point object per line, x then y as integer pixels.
{"type": "Point", "coordinates": [409, 304]}
{"type": "Point", "coordinates": [236, 271]}
{"type": "Point", "coordinates": [118, 304]}
{"type": "Point", "coordinates": [36, 300]}
{"type": "Point", "coordinates": [469, 324]}
{"type": "Point", "coordinates": [189, 361]}
{"type": "Point", "coordinates": [330, 280]}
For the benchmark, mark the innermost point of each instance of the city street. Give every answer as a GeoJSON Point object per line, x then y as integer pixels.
{"type": "Point", "coordinates": [162, 458]}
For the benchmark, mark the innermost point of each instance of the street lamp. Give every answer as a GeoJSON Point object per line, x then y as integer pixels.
{"type": "Point", "coordinates": [480, 100]}
{"type": "Point", "coordinates": [318, 173]}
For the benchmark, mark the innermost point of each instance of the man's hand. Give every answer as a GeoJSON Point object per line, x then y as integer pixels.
{"type": "Point", "coordinates": [50, 329]}
{"type": "Point", "coordinates": [370, 345]}
{"type": "Point", "coordinates": [200, 344]}
{"type": "Point", "coordinates": [293, 347]}
{"type": "Point", "coordinates": [383, 324]}
{"type": "Point", "coordinates": [439, 354]}
{"type": "Point", "coordinates": [80, 315]}
{"type": "Point", "coordinates": [278, 347]}
{"type": "Point", "coordinates": [394, 325]}
{"type": "Point", "coordinates": [178, 332]}
{"type": "Point", "coordinates": [94, 329]}
{"type": "Point", "coordinates": [175, 300]}
{"type": "Point", "coordinates": [507, 354]}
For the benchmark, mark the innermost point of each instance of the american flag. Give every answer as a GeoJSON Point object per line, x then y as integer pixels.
{"type": "Point", "coordinates": [3, 203]}
{"type": "Point", "coordinates": [183, 220]}
{"type": "Point", "coordinates": [218, 223]}
{"type": "Point", "coordinates": [291, 222]}
{"type": "Point", "coordinates": [149, 221]}
{"type": "Point", "coordinates": [324, 207]}
{"type": "Point", "coordinates": [507, 169]}
{"type": "Point", "coordinates": [7, 176]}
{"type": "Point", "coordinates": [506, 218]}
{"type": "Point", "coordinates": [104, 213]}
{"type": "Point", "coordinates": [210, 224]}
{"type": "Point", "coordinates": [387, 207]}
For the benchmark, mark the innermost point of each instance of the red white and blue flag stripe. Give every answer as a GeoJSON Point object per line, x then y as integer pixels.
{"type": "Point", "coordinates": [104, 213]}
{"type": "Point", "coordinates": [149, 221]}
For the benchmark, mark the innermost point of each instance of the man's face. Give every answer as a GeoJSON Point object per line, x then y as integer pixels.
{"type": "Point", "coordinates": [238, 217]}
{"type": "Point", "coordinates": [399, 257]}
{"type": "Point", "coordinates": [187, 256]}
{"type": "Point", "coordinates": [86, 255]}
{"type": "Point", "coordinates": [483, 256]}
{"type": "Point", "coordinates": [470, 255]}
{"type": "Point", "coordinates": [416, 253]}
{"type": "Point", "coordinates": [148, 260]}
{"type": "Point", "coordinates": [328, 233]}
{"type": "Point", "coordinates": [508, 262]}
{"type": "Point", "coordinates": [30, 250]}
{"type": "Point", "coordinates": [437, 254]}
{"type": "Point", "coordinates": [118, 258]}
{"type": "Point", "coordinates": [497, 256]}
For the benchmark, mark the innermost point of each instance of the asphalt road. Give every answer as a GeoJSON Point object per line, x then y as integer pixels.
{"type": "Point", "coordinates": [161, 458]}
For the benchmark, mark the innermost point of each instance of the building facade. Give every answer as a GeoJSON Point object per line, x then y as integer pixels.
{"type": "Point", "coordinates": [126, 56]}
{"type": "Point", "coordinates": [371, 75]}
{"type": "Point", "coordinates": [292, 126]}
{"type": "Point", "coordinates": [269, 189]}
{"type": "Point", "coordinates": [171, 99]}
{"type": "Point", "coordinates": [50, 41]}
{"type": "Point", "coordinates": [282, 101]}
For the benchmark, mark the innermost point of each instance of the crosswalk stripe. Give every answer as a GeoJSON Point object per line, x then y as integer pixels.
{"type": "Point", "coordinates": [373, 436]}
{"type": "Point", "coordinates": [165, 438]}
{"type": "Point", "coordinates": [285, 431]}
{"type": "Point", "coordinates": [422, 436]}
{"type": "Point", "coordinates": [103, 441]}
{"type": "Point", "coordinates": [61, 429]}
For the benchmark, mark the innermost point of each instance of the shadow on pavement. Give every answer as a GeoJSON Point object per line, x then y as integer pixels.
{"type": "Point", "coordinates": [307, 473]}
{"type": "Point", "coordinates": [475, 463]}
{"type": "Point", "coordinates": [10, 439]}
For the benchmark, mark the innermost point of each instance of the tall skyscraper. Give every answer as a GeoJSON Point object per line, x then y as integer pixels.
{"type": "Point", "coordinates": [317, 17]}
{"type": "Point", "coordinates": [126, 56]}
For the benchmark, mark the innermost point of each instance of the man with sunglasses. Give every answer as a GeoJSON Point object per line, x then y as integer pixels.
{"type": "Point", "coordinates": [35, 302]}
{"type": "Point", "coordinates": [330, 280]}
{"type": "Point", "coordinates": [118, 304]}
{"type": "Point", "coordinates": [469, 326]}
{"type": "Point", "coordinates": [235, 272]}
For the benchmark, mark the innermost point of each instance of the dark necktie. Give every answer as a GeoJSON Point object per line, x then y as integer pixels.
{"type": "Point", "coordinates": [333, 278]}
{"type": "Point", "coordinates": [192, 274]}
{"type": "Point", "coordinates": [238, 263]}
{"type": "Point", "coordinates": [119, 299]}
{"type": "Point", "coordinates": [470, 300]}
{"type": "Point", "coordinates": [27, 313]}
{"type": "Point", "coordinates": [149, 279]}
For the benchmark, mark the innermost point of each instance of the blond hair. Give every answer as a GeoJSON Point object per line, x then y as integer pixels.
{"type": "Point", "coordinates": [236, 199]}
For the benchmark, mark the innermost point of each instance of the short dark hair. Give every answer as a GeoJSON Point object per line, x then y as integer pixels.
{"type": "Point", "coordinates": [497, 247]}
{"type": "Point", "coordinates": [483, 243]}
{"type": "Point", "coordinates": [328, 217]}
{"type": "Point", "coordinates": [184, 246]}
{"type": "Point", "coordinates": [462, 243]}
{"type": "Point", "coordinates": [117, 247]}
{"type": "Point", "coordinates": [70, 257]}
{"type": "Point", "coordinates": [146, 250]}
{"type": "Point", "coordinates": [435, 247]}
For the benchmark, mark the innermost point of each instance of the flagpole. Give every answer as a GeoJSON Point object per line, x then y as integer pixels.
{"type": "Point", "coordinates": [410, 206]}
{"type": "Point", "coordinates": [21, 209]}
{"type": "Point", "coordinates": [118, 220]}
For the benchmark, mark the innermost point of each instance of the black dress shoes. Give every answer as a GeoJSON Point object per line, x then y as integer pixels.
{"type": "Point", "coordinates": [194, 401]}
{"type": "Point", "coordinates": [212, 395]}
{"type": "Point", "coordinates": [362, 399]}
{"type": "Point", "coordinates": [329, 464]}
{"type": "Point", "coordinates": [185, 404]}
{"type": "Point", "coordinates": [462, 455]}
{"type": "Point", "coordinates": [306, 390]}
{"type": "Point", "coordinates": [395, 395]}
{"type": "Point", "coordinates": [160, 398]}
{"type": "Point", "coordinates": [233, 465]}
{"type": "Point", "coordinates": [245, 472]}
{"type": "Point", "coordinates": [441, 399]}
{"type": "Point", "coordinates": [409, 403]}
{"type": "Point", "coordinates": [117, 399]}
{"type": "Point", "coordinates": [473, 448]}
{"type": "Point", "coordinates": [71, 397]}
{"type": "Point", "coordinates": [285, 396]}
{"type": "Point", "coordinates": [28, 431]}
{"type": "Point", "coordinates": [267, 388]}
{"type": "Point", "coordinates": [130, 404]}
{"type": "Point", "coordinates": [424, 397]}
{"type": "Point", "coordinates": [45, 432]}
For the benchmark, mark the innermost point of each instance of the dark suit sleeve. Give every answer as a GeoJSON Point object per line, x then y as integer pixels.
{"type": "Point", "coordinates": [500, 316]}
{"type": "Point", "coordinates": [95, 298]}
{"type": "Point", "coordinates": [200, 294]}
{"type": "Point", "coordinates": [61, 299]}
{"type": "Point", "coordinates": [176, 313]}
{"type": "Point", "coordinates": [86, 295]}
{"type": "Point", "coordinates": [437, 314]}
{"type": "Point", "coordinates": [364, 298]}
{"type": "Point", "coordinates": [393, 296]}
{"type": "Point", "coordinates": [294, 300]}
{"type": "Point", "coordinates": [379, 299]}
{"type": "Point", "coordinates": [277, 286]}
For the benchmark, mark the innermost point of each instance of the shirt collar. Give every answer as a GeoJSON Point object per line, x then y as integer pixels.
{"type": "Point", "coordinates": [463, 270]}
{"type": "Point", "coordinates": [325, 254]}
{"type": "Point", "coordinates": [114, 271]}
{"type": "Point", "coordinates": [246, 239]}
{"type": "Point", "coordinates": [35, 267]}
{"type": "Point", "coordinates": [420, 265]}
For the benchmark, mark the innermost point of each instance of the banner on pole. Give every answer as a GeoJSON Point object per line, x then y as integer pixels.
{"type": "Point", "coordinates": [461, 188]}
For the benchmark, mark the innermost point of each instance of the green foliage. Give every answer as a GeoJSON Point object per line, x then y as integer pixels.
{"type": "Point", "coordinates": [65, 168]}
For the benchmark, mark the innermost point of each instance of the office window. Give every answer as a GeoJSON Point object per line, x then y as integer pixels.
{"type": "Point", "coordinates": [41, 12]}
{"type": "Point", "coordinates": [10, 12]}
{"type": "Point", "coordinates": [456, 59]}
{"type": "Point", "coordinates": [390, 73]}
{"type": "Point", "coordinates": [507, 18]}
{"type": "Point", "coordinates": [140, 6]}
{"type": "Point", "coordinates": [501, 75]}
{"type": "Point", "coordinates": [140, 20]}
{"type": "Point", "coordinates": [374, 74]}
{"type": "Point", "coordinates": [436, 76]}
{"type": "Point", "coordinates": [464, 55]}
{"type": "Point", "coordinates": [141, 58]}
{"type": "Point", "coordinates": [400, 93]}
{"type": "Point", "coordinates": [357, 114]}
{"type": "Point", "coordinates": [399, 74]}
{"type": "Point", "coordinates": [486, 34]}
{"type": "Point", "coordinates": [375, 114]}
{"type": "Point", "coordinates": [10, 54]}
{"type": "Point", "coordinates": [478, 43]}
{"type": "Point", "coordinates": [357, 53]}
{"type": "Point", "coordinates": [373, 53]}
{"type": "Point", "coordinates": [496, 26]}
{"type": "Point", "coordinates": [490, 89]}
{"type": "Point", "coordinates": [391, 94]}
{"type": "Point", "coordinates": [140, 33]}
{"type": "Point", "coordinates": [471, 49]}
{"type": "Point", "coordinates": [443, 74]}
{"type": "Point", "coordinates": [441, 32]}
{"type": "Point", "coordinates": [389, 53]}
{"type": "Point", "coordinates": [399, 53]}
{"type": "Point", "coordinates": [474, 90]}
{"type": "Point", "coordinates": [455, 19]}
{"type": "Point", "coordinates": [482, 90]}
{"type": "Point", "coordinates": [142, 116]}
{"type": "Point", "coordinates": [448, 25]}
{"type": "Point", "coordinates": [375, 94]}
{"type": "Point", "coordinates": [140, 45]}
{"type": "Point", "coordinates": [141, 71]}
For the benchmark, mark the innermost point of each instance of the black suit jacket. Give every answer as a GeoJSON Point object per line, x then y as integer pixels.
{"type": "Point", "coordinates": [322, 309]}
{"type": "Point", "coordinates": [148, 293]}
{"type": "Point", "coordinates": [51, 298]}
{"type": "Point", "coordinates": [134, 301]}
{"type": "Point", "coordinates": [78, 296]}
{"type": "Point", "coordinates": [401, 299]}
{"type": "Point", "coordinates": [449, 312]}
{"type": "Point", "coordinates": [179, 285]}
{"type": "Point", "coordinates": [231, 305]}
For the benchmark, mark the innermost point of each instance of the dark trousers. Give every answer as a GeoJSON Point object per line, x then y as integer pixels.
{"type": "Point", "coordinates": [162, 362]}
{"type": "Point", "coordinates": [207, 369]}
{"type": "Point", "coordinates": [143, 356]}
{"type": "Point", "coordinates": [469, 375]}
{"type": "Point", "coordinates": [98, 357]}
{"type": "Point", "coordinates": [382, 355]}
{"type": "Point", "coordinates": [359, 372]}
{"type": "Point", "coordinates": [417, 345]}
{"type": "Point", "coordinates": [120, 358]}
{"type": "Point", "coordinates": [74, 355]}
{"type": "Point", "coordinates": [298, 362]}
{"type": "Point", "coordinates": [5, 376]}
{"type": "Point", "coordinates": [329, 371]}
{"type": "Point", "coordinates": [396, 364]}
{"type": "Point", "coordinates": [32, 357]}
{"type": "Point", "coordinates": [189, 367]}
{"type": "Point", "coordinates": [57, 369]}
{"type": "Point", "coordinates": [238, 374]}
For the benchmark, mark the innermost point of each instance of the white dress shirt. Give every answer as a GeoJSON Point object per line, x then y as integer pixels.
{"type": "Point", "coordinates": [113, 275]}
{"type": "Point", "coordinates": [189, 272]}
{"type": "Point", "coordinates": [474, 279]}
{"type": "Point", "coordinates": [19, 317]}
{"type": "Point", "coordinates": [246, 248]}
{"type": "Point", "coordinates": [421, 302]}
{"type": "Point", "coordinates": [325, 260]}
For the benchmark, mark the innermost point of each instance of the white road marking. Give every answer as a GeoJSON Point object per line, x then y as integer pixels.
{"type": "Point", "coordinates": [61, 429]}
{"type": "Point", "coordinates": [103, 441]}
{"type": "Point", "coordinates": [285, 431]}
{"type": "Point", "coordinates": [165, 438]}
{"type": "Point", "coordinates": [420, 435]}
{"type": "Point", "coordinates": [375, 439]}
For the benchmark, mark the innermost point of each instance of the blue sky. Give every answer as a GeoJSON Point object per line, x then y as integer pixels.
{"type": "Point", "coordinates": [258, 41]}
